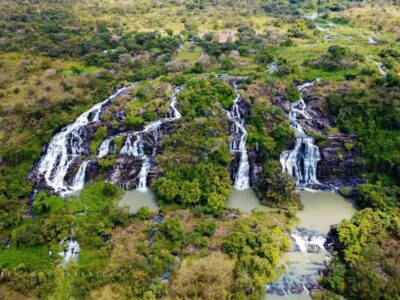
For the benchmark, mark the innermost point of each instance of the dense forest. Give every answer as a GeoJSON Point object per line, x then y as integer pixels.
{"type": "Point", "coordinates": [199, 100]}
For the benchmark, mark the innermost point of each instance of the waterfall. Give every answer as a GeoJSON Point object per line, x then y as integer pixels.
{"type": "Point", "coordinates": [70, 251]}
{"type": "Point", "coordinates": [371, 41]}
{"type": "Point", "coordinates": [302, 161]}
{"type": "Point", "coordinates": [127, 149]}
{"type": "Point", "coordinates": [273, 67]}
{"type": "Point", "coordinates": [242, 180]}
{"type": "Point", "coordinates": [152, 133]}
{"type": "Point", "coordinates": [79, 179]}
{"type": "Point", "coordinates": [67, 145]}
{"type": "Point", "coordinates": [138, 148]}
{"type": "Point", "coordinates": [104, 148]}
{"type": "Point", "coordinates": [144, 171]}
{"type": "Point", "coordinates": [381, 69]}
{"type": "Point", "coordinates": [173, 112]}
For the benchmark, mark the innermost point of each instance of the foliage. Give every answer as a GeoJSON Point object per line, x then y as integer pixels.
{"type": "Point", "coordinates": [98, 137]}
{"type": "Point", "coordinates": [366, 264]}
{"type": "Point", "coordinates": [89, 219]}
{"type": "Point", "coordinates": [144, 213]}
{"type": "Point", "coordinates": [372, 116]}
{"type": "Point", "coordinates": [200, 97]}
{"type": "Point", "coordinates": [377, 197]}
{"type": "Point", "coordinates": [256, 247]}
{"type": "Point", "coordinates": [277, 188]}
{"type": "Point", "coordinates": [205, 184]}
{"type": "Point", "coordinates": [292, 93]}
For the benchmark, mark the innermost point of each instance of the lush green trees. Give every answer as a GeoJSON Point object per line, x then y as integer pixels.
{"type": "Point", "coordinates": [377, 197]}
{"type": "Point", "coordinates": [256, 246]}
{"type": "Point", "coordinates": [203, 184]}
{"type": "Point", "coordinates": [201, 97]}
{"type": "Point", "coordinates": [90, 219]}
{"type": "Point", "coordinates": [365, 267]}
{"type": "Point", "coordinates": [373, 116]}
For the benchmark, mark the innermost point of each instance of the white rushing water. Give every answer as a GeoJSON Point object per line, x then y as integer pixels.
{"type": "Point", "coordinates": [381, 69]}
{"type": "Point", "coordinates": [79, 179]}
{"type": "Point", "coordinates": [320, 28]}
{"type": "Point", "coordinates": [242, 180]}
{"type": "Point", "coordinates": [106, 146]}
{"type": "Point", "coordinates": [308, 258]}
{"type": "Point", "coordinates": [302, 161]}
{"type": "Point", "coordinates": [173, 112]}
{"type": "Point", "coordinates": [273, 67]}
{"type": "Point", "coordinates": [134, 144]}
{"type": "Point", "coordinates": [67, 145]}
{"type": "Point", "coordinates": [70, 251]}
{"type": "Point", "coordinates": [371, 41]}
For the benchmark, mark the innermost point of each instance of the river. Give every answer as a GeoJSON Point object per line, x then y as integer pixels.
{"type": "Point", "coordinates": [308, 257]}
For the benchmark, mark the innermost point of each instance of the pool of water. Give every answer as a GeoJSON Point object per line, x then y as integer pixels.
{"type": "Point", "coordinates": [323, 209]}
{"type": "Point", "coordinates": [246, 201]}
{"type": "Point", "coordinates": [308, 257]}
{"type": "Point", "coordinates": [135, 200]}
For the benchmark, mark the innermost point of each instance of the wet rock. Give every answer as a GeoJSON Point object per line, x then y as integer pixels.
{"type": "Point", "coordinates": [341, 162]}
{"type": "Point", "coordinates": [313, 248]}
{"type": "Point", "coordinates": [282, 102]}
{"type": "Point", "coordinates": [126, 170]}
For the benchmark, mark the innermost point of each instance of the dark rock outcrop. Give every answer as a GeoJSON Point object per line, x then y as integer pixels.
{"type": "Point", "coordinates": [341, 162]}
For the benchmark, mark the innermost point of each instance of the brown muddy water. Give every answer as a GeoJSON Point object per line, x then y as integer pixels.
{"type": "Point", "coordinates": [135, 199]}
{"type": "Point", "coordinates": [308, 257]}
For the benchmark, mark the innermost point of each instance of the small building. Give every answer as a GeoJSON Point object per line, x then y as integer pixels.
{"type": "Point", "coordinates": [225, 36]}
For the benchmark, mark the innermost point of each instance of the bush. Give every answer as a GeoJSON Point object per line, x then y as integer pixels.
{"type": "Point", "coordinates": [377, 197]}
{"type": "Point", "coordinates": [346, 192]}
{"type": "Point", "coordinates": [144, 213]}
{"type": "Point", "coordinates": [292, 93]}
{"type": "Point", "coordinates": [172, 229]}
{"type": "Point", "coordinates": [109, 190]}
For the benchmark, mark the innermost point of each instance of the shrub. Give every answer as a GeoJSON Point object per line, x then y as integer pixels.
{"type": "Point", "coordinates": [144, 213]}
{"type": "Point", "coordinates": [292, 93]}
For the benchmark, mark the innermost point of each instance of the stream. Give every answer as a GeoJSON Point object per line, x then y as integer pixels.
{"type": "Point", "coordinates": [308, 257]}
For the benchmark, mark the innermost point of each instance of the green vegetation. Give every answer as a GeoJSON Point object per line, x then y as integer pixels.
{"type": "Point", "coordinates": [57, 58]}
{"type": "Point", "coordinates": [202, 270]}
{"type": "Point", "coordinates": [255, 244]}
{"type": "Point", "coordinates": [366, 265]}
{"type": "Point", "coordinates": [376, 122]}
{"type": "Point", "coordinates": [197, 154]}
{"type": "Point", "coordinates": [31, 269]}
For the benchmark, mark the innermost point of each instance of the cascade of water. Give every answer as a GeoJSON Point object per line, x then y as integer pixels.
{"type": "Point", "coordinates": [173, 112]}
{"type": "Point", "coordinates": [273, 67]}
{"type": "Point", "coordinates": [128, 148]}
{"type": "Point", "coordinates": [371, 40]}
{"type": "Point", "coordinates": [381, 69]}
{"type": "Point", "coordinates": [242, 180]}
{"type": "Point", "coordinates": [79, 179]}
{"type": "Point", "coordinates": [151, 132]}
{"type": "Point", "coordinates": [138, 147]}
{"type": "Point", "coordinates": [104, 148]}
{"type": "Point", "coordinates": [66, 145]}
{"type": "Point", "coordinates": [302, 161]}
{"type": "Point", "coordinates": [144, 172]}
{"type": "Point", "coordinates": [70, 251]}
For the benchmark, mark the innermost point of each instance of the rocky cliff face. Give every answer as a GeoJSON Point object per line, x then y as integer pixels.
{"type": "Point", "coordinates": [341, 163]}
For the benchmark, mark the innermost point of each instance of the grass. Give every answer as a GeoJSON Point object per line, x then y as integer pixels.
{"type": "Point", "coordinates": [33, 257]}
{"type": "Point", "coordinates": [84, 70]}
{"type": "Point", "coordinates": [190, 54]}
